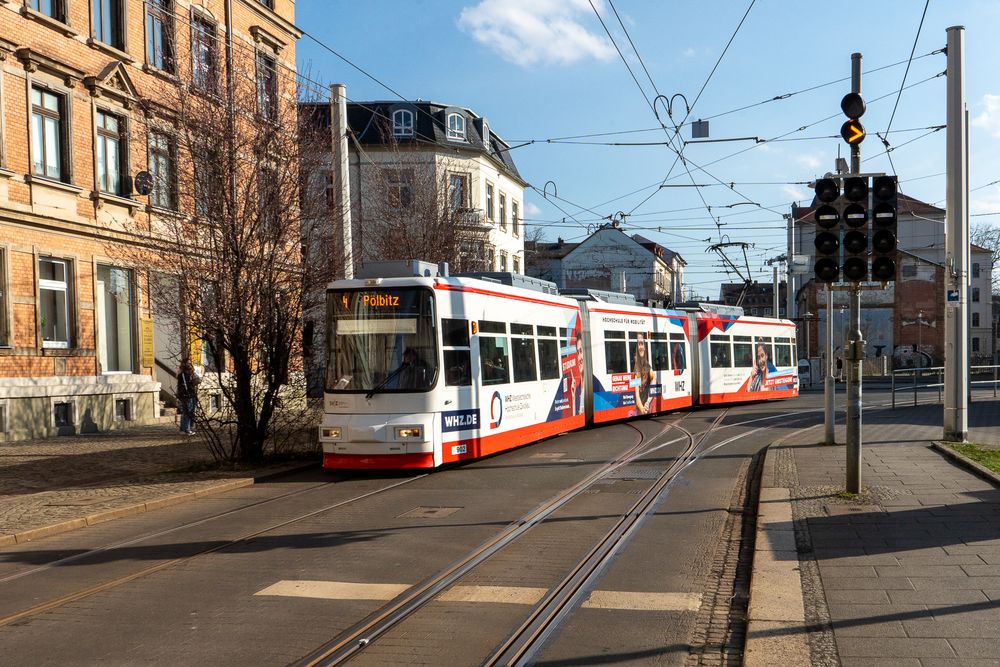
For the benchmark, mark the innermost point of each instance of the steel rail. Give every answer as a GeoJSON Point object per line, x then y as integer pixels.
{"type": "Point", "coordinates": [357, 638]}
{"type": "Point", "coordinates": [520, 645]}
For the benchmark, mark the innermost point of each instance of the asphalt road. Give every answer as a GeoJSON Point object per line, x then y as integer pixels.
{"type": "Point", "coordinates": [267, 574]}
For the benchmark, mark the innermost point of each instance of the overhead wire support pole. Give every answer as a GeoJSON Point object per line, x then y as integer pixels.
{"type": "Point", "coordinates": [956, 357]}
{"type": "Point", "coordinates": [855, 351]}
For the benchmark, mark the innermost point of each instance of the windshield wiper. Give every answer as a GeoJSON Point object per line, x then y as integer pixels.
{"type": "Point", "coordinates": [384, 382]}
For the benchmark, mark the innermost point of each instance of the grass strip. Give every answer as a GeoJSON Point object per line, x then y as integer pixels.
{"type": "Point", "coordinates": [983, 456]}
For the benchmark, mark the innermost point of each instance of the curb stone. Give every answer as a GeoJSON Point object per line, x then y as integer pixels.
{"type": "Point", "coordinates": [147, 506]}
{"type": "Point", "coordinates": [966, 462]}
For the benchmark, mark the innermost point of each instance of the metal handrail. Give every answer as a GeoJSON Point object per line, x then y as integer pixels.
{"type": "Point", "coordinates": [916, 372]}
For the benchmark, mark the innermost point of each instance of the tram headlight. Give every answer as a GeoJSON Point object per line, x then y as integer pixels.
{"type": "Point", "coordinates": [330, 433]}
{"type": "Point", "coordinates": [409, 432]}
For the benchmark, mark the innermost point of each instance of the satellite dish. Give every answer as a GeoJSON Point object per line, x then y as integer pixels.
{"type": "Point", "coordinates": [143, 183]}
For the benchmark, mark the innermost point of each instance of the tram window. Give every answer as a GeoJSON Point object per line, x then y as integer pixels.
{"type": "Point", "coordinates": [742, 353]}
{"type": "Point", "coordinates": [455, 333]}
{"type": "Point", "coordinates": [615, 358]}
{"type": "Point", "coordinates": [563, 333]}
{"type": "Point", "coordinates": [634, 337]}
{"type": "Point", "coordinates": [487, 326]}
{"type": "Point", "coordinates": [782, 355]}
{"type": "Point", "coordinates": [615, 334]}
{"type": "Point", "coordinates": [548, 358]}
{"type": "Point", "coordinates": [660, 355]}
{"type": "Point", "coordinates": [722, 355]}
{"type": "Point", "coordinates": [458, 368]}
{"type": "Point", "coordinates": [678, 355]}
{"type": "Point", "coordinates": [546, 331]}
{"type": "Point", "coordinates": [524, 360]}
{"type": "Point", "coordinates": [522, 329]}
{"type": "Point", "coordinates": [674, 336]}
{"type": "Point", "coordinates": [494, 360]}
{"type": "Point", "coordinates": [658, 335]}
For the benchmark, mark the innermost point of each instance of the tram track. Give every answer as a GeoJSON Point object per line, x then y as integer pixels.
{"type": "Point", "coordinates": [357, 638]}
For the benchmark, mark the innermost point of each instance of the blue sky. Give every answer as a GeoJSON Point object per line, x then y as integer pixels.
{"type": "Point", "coordinates": [542, 69]}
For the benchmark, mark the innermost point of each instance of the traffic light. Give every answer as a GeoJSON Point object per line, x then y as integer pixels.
{"type": "Point", "coordinates": [827, 242]}
{"type": "Point", "coordinates": [884, 232]}
{"type": "Point", "coordinates": [855, 217]}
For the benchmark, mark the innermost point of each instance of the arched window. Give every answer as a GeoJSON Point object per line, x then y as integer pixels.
{"type": "Point", "coordinates": [402, 123]}
{"type": "Point", "coordinates": [486, 134]}
{"type": "Point", "coordinates": [456, 126]}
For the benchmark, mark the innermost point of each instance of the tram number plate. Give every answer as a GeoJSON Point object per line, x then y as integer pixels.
{"type": "Point", "coordinates": [459, 449]}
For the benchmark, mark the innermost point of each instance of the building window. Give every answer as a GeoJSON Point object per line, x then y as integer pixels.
{"type": "Point", "coordinates": [267, 86]}
{"type": "Point", "coordinates": [267, 3]}
{"type": "Point", "coordinates": [503, 261]}
{"type": "Point", "coordinates": [503, 211]}
{"type": "Point", "coordinates": [203, 56]}
{"type": "Point", "coordinates": [115, 313]}
{"type": "Point", "coordinates": [402, 123]}
{"type": "Point", "coordinates": [159, 35]}
{"type": "Point", "coordinates": [207, 185]}
{"type": "Point", "coordinates": [400, 185]}
{"type": "Point", "coordinates": [55, 9]}
{"type": "Point", "coordinates": [517, 264]}
{"type": "Point", "coordinates": [975, 344]}
{"type": "Point", "coordinates": [975, 269]}
{"type": "Point", "coordinates": [975, 295]}
{"type": "Point", "coordinates": [515, 220]}
{"type": "Point", "coordinates": [975, 319]}
{"type": "Point", "coordinates": [111, 163]}
{"type": "Point", "coordinates": [53, 294]}
{"type": "Point", "coordinates": [456, 126]}
{"type": "Point", "coordinates": [123, 410]}
{"type": "Point", "coordinates": [62, 415]}
{"type": "Point", "coordinates": [108, 22]}
{"type": "Point", "coordinates": [161, 167]}
{"type": "Point", "coordinates": [490, 258]}
{"type": "Point", "coordinates": [330, 190]}
{"type": "Point", "coordinates": [486, 135]}
{"type": "Point", "coordinates": [458, 188]}
{"type": "Point", "coordinates": [48, 134]}
{"type": "Point", "coordinates": [489, 202]}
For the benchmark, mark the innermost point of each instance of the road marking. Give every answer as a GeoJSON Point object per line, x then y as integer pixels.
{"type": "Point", "coordinates": [642, 601]}
{"type": "Point", "coordinates": [334, 590]}
{"type": "Point", "coordinates": [503, 594]}
{"type": "Point", "coordinates": [620, 600]}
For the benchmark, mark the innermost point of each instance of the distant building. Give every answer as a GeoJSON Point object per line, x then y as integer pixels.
{"type": "Point", "coordinates": [611, 260]}
{"type": "Point", "coordinates": [905, 320]}
{"type": "Point", "coordinates": [759, 298]}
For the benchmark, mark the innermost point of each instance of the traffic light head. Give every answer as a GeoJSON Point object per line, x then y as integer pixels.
{"type": "Point", "coordinates": [884, 228]}
{"type": "Point", "coordinates": [827, 190]}
{"type": "Point", "coordinates": [856, 189]}
{"type": "Point", "coordinates": [827, 242]}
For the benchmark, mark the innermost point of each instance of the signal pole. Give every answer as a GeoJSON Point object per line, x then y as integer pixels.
{"type": "Point", "coordinates": [956, 331]}
{"type": "Point", "coordinates": [855, 349]}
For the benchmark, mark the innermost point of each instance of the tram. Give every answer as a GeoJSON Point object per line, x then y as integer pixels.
{"type": "Point", "coordinates": [426, 369]}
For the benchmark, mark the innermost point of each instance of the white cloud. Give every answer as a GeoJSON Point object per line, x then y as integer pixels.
{"type": "Point", "coordinates": [989, 119]}
{"type": "Point", "coordinates": [794, 193]}
{"type": "Point", "coordinates": [689, 52]}
{"type": "Point", "coordinates": [531, 211]}
{"type": "Point", "coordinates": [527, 32]}
{"type": "Point", "coordinates": [809, 160]}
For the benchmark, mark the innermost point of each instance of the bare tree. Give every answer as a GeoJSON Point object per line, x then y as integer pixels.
{"type": "Point", "coordinates": [224, 237]}
{"type": "Point", "coordinates": [988, 236]}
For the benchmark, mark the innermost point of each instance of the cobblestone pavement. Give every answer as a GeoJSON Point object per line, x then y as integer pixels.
{"type": "Point", "coordinates": [909, 572]}
{"type": "Point", "coordinates": [50, 481]}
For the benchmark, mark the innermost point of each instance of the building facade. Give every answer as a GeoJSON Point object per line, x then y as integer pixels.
{"type": "Point", "coordinates": [611, 260]}
{"type": "Point", "coordinates": [758, 299]}
{"type": "Point", "coordinates": [84, 86]}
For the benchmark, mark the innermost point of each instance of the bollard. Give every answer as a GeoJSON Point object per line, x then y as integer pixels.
{"type": "Point", "coordinates": [940, 382]}
{"type": "Point", "coordinates": [892, 388]}
{"type": "Point", "coordinates": [914, 387]}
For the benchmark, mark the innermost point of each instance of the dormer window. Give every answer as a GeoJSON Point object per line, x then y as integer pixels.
{"type": "Point", "coordinates": [486, 134]}
{"type": "Point", "coordinates": [402, 123]}
{"type": "Point", "coordinates": [456, 127]}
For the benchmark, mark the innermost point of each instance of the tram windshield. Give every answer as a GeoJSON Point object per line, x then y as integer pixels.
{"type": "Point", "coordinates": [381, 340]}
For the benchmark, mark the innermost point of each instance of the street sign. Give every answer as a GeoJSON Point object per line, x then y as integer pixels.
{"type": "Point", "coordinates": [143, 183]}
{"type": "Point", "coordinates": [853, 132]}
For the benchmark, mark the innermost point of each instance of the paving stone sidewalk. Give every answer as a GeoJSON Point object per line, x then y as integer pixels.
{"type": "Point", "coordinates": [57, 484]}
{"type": "Point", "coordinates": [906, 574]}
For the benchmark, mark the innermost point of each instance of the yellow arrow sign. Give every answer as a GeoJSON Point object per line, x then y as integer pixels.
{"type": "Point", "coordinates": [853, 132]}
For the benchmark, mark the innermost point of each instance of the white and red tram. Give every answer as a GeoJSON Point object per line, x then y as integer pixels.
{"type": "Point", "coordinates": [424, 371]}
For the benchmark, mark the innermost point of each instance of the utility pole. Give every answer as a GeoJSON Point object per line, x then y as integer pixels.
{"type": "Point", "coordinates": [956, 331]}
{"type": "Point", "coordinates": [855, 349]}
{"type": "Point", "coordinates": [341, 167]}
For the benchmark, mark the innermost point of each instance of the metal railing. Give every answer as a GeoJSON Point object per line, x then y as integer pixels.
{"type": "Point", "coordinates": [937, 372]}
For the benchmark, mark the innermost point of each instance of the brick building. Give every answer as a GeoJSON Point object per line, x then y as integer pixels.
{"type": "Point", "coordinates": [758, 299]}
{"type": "Point", "coordinates": [82, 85]}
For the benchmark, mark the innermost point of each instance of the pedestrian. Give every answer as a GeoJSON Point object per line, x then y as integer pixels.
{"type": "Point", "coordinates": [187, 396]}
{"type": "Point", "coordinates": [840, 369]}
